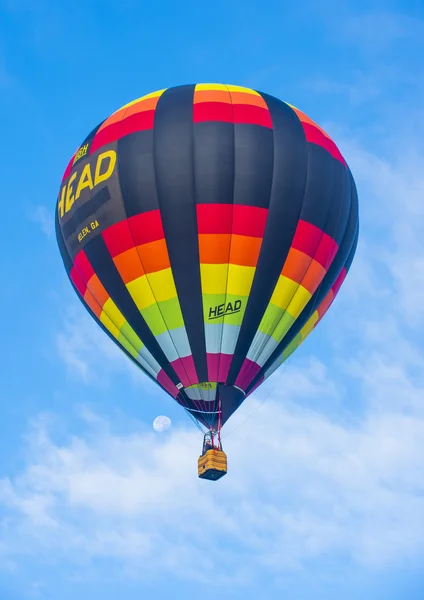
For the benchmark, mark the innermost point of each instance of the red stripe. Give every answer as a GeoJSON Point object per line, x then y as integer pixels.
{"type": "Point", "coordinates": [69, 167]}
{"type": "Point", "coordinates": [118, 238]}
{"type": "Point", "coordinates": [83, 266]}
{"type": "Point", "coordinates": [212, 111]}
{"type": "Point", "coordinates": [316, 136]}
{"type": "Point", "coordinates": [214, 218]}
{"type": "Point", "coordinates": [146, 227]}
{"type": "Point", "coordinates": [326, 251]}
{"type": "Point", "coordinates": [249, 220]}
{"type": "Point", "coordinates": [140, 121]}
{"type": "Point", "coordinates": [77, 281]}
{"type": "Point", "coordinates": [105, 136]}
{"type": "Point", "coordinates": [253, 115]}
{"type": "Point", "coordinates": [307, 238]}
{"type": "Point", "coordinates": [339, 281]}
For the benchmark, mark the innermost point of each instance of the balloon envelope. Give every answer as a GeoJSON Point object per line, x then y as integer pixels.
{"type": "Point", "coordinates": [207, 229]}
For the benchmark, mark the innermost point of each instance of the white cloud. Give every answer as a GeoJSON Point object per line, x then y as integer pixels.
{"type": "Point", "coordinates": [300, 486]}
{"type": "Point", "coordinates": [89, 354]}
{"type": "Point", "coordinates": [41, 215]}
{"type": "Point", "coordinates": [377, 31]}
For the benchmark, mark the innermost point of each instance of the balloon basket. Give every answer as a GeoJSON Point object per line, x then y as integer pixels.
{"type": "Point", "coordinates": [212, 465]}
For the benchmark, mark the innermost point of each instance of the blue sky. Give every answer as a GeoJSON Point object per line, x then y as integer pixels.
{"type": "Point", "coordinates": [93, 502]}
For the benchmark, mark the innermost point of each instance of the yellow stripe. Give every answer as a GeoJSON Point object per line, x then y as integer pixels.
{"type": "Point", "coordinates": [240, 280]}
{"type": "Point", "coordinates": [238, 88]}
{"type": "Point", "coordinates": [156, 287]}
{"type": "Point", "coordinates": [162, 284]}
{"type": "Point", "coordinates": [141, 292]}
{"type": "Point", "coordinates": [299, 301]}
{"type": "Point", "coordinates": [114, 313]}
{"type": "Point", "coordinates": [309, 325]}
{"type": "Point", "coordinates": [111, 327]}
{"type": "Point", "coordinates": [214, 278]}
{"type": "Point", "coordinates": [151, 95]}
{"type": "Point", "coordinates": [210, 87]}
{"type": "Point", "coordinates": [284, 292]}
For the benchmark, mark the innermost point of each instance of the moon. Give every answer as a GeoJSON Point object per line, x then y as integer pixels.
{"type": "Point", "coordinates": [161, 423]}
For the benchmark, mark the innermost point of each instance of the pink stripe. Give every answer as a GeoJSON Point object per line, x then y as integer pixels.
{"type": "Point", "coordinates": [339, 281]}
{"type": "Point", "coordinates": [224, 366]}
{"type": "Point", "coordinates": [186, 371]}
{"type": "Point", "coordinates": [255, 387]}
{"type": "Point", "coordinates": [247, 373]}
{"type": "Point", "coordinates": [213, 366]}
{"type": "Point", "coordinates": [166, 383]}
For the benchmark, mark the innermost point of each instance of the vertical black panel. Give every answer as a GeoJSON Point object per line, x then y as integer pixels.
{"type": "Point", "coordinates": [213, 162]}
{"type": "Point", "coordinates": [136, 171]}
{"type": "Point", "coordinates": [173, 157]}
{"type": "Point", "coordinates": [253, 165]}
{"type": "Point", "coordinates": [289, 162]}
{"type": "Point", "coordinates": [343, 259]}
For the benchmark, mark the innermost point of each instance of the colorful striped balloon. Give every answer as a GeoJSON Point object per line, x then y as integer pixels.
{"type": "Point", "coordinates": [207, 229]}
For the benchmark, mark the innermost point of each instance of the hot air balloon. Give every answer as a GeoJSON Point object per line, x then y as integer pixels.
{"type": "Point", "coordinates": [207, 229]}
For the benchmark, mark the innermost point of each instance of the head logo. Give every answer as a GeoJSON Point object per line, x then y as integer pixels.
{"type": "Point", "coordinates": [216, 312]}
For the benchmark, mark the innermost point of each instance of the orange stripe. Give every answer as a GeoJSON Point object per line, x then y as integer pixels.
{"type": "Point", "coordinates": [313, 277]}
{"type": "Point", "coordinates": [245, 98]}
{"type": "Point", "coordinates": [128, 265]}
{"type": "Point", "coordinates": [214, 248]}
{"type": "Point", "coordinates": [299, 267]}
{"type": "Point", "coordinates": [96, 287]}
{"type": "Point", "coordinates": [305, 119]}
{"type": "Point", "coordinates": [92, 303]}
{"type": "Point", "coordinates": [154, 256]}
{"type": "Point", "coordinates": [245, 250]}
{"type": "Point", "coordinates": [323, 307]}
{"type": "Point", "coordinates": [296, 265]}
{"type": "Point", "coordinates": [211, 96]}
{"type": "Point", "coordinates": [143, 105]}
{"type": "Point", "coordinates": [140, 106]}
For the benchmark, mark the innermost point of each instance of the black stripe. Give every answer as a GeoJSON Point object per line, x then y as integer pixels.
{"type": "Point", "coordinates": [343, 258]}
{"type": "Point", "coordinates": [288, 161]}
{"type": "Point", "coordinates": [104, 267]}
{"type": "Point", "coordinates": [173, 157]}
{"type": "Point", "coordinates": [325, 182]}
{"type": "Point", "coordinates": [136, 171]}
{"type": "Point", "coordinates": [214, 162]}
{"type": "Point", "coordinates": [254, 164]}
{"type": "Point", "coordinates": [84, 211]}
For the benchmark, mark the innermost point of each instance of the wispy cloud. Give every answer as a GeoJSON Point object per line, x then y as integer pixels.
{"type": "Point", "coordinates": [41, 215]}
{"type": "Point", "coordinates": [355, 489]}
{"type": "Point", "coordinates": [88, 353]}
{"type": "Point", "coordinates": [377, 31]}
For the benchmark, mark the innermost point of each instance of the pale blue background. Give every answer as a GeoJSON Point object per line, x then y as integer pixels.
{"type": "Point", "coordinates": [324, 496]}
